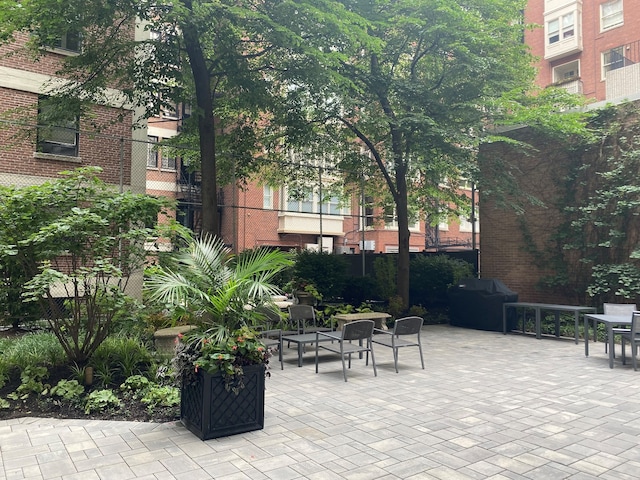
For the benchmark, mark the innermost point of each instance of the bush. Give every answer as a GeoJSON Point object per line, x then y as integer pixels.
{"type": "Point", "coordinates": [118, 358]}
{"type": "Point", "coordinates": [385, 275]}
{"type": "Point", "coordinates": [327, 272]}
{"type": "Point", "coordinates": [358, 290]}
{"type": "Point", "coordinates": [431, 277]}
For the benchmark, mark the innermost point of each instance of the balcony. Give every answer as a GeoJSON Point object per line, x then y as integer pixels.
{"type": "Point", "coordinates": [309, 223]}
{"type": "Point", "coordinates": [623, 75]}
{"type": "Point", "coordinates": [573, 86]}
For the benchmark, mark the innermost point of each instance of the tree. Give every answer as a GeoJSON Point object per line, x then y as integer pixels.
{"type": "Point", "coordinates": [229, 59]}
{"type": "Point", "coordinates": [75, 242]}
{"type": "Point", "coordinates": [417, 96]}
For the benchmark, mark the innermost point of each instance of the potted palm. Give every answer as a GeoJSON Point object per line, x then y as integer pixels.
{"type": "Point", "coordinates": [221, 364]}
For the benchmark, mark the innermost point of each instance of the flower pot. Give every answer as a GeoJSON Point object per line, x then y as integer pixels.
{"type": "Point", "coordinates": [210, 411]}
{"type": "Point", "coordinates": [305, 298]}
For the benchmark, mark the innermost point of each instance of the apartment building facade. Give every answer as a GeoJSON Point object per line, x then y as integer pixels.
{"type": "Point", "coordinates": [590, 47]}
{"type": "Point", "coordinates": [34, 150]}
{"type": "Point", "coordinates": [257, 214]}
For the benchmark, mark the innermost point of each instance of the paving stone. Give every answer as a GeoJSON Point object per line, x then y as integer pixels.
{"type": "Point", "coordinates": [487, 406]}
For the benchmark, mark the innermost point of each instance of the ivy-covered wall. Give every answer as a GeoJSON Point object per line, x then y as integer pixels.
{"type": "Point", "coordinates": [561, 222]}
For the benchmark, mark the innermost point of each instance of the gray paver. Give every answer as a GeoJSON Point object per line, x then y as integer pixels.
{"type": "Point", "coordinates": [486, 406]}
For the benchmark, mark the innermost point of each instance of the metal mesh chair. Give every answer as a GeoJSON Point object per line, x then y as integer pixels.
{"type": "Point", "coordinates": [360, 330]}
{"type": "Point", "coordinates": [632, 337]}
{"type": "Point", "coordinates": [615, 309]}
{"type": "Point", "coordinates": [403, 327]}
{"type": "Point", "coordinates": [303, 317]}
{"type": "Point", "coordinates": [268, 333]}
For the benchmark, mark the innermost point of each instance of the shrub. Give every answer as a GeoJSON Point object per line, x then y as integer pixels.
{"type": "Point", "coordinates": [33, 349]}
{"type": "Point", "coordinates": [69, 390]}
{"type": "Point", "coordinates": [101, 400]}
{"type": "Point", "coordinates": [431, 277]}
{"type": "Point", "coordinates": [327, 272]}
{"type": "Point", "coordinates": [385, 275]}
{"type": "Point", "coordinates": [119, 358]}
{"type": "Point", "coordinates": [358, 290]}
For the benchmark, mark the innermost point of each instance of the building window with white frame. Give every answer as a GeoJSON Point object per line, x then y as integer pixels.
{"type": "Point", "coordinates": [302, 203]}
{"type": "Point", "coordinates": [152, 152]}
{"type": "Point", "coordinates": [561, 28]}
{"type": "Point", "coordinates": [69, 42]}
{"type": "Point", "coordinates": [391, 219]}
{"type": "Point", "coordinates": [467, 226]}
{"type": "Point", "coordinates": [57, 130]}
{"type": "Point", "coordinates": [611, 15]}
{"type": "Point", "coordinates": [168, 162]}
{"type": "Point", "coordinates": [332, 206]}
{"type": "Point", "coordinates": [267, 197]}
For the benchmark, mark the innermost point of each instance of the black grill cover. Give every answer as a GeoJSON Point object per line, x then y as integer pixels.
{"type": "Point", "coordinates": [477, 303]}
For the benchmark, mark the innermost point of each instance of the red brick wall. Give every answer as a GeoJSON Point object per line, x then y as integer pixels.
{"type": "Point", "coordinates": [505, 254]}
{"type": "Point", "coordinates": [103, 150]}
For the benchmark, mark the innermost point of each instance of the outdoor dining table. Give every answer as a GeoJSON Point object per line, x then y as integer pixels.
{"type": "Point", "coordinates": [538, 308]}
{"type": "Point", "coordinates": [610, 321]}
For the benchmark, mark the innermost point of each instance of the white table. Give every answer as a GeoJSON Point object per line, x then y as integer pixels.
{"type": "Point", "coordinates": [549, 307]}
{"type": "Point", "coordinates": [610, 321]}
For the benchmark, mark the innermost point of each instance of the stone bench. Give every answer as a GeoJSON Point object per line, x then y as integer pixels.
{"type": "Point", "coordinates": [165, 339]}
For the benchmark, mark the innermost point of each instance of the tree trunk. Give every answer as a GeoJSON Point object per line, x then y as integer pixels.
{"type": "Point", "coordinates": [402, 213]}
{"type": "Point", "coordinates": [206, 130]}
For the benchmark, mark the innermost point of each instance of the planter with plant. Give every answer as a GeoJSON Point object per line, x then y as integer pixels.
{"type": "Point", "coordinates": [220, 365]}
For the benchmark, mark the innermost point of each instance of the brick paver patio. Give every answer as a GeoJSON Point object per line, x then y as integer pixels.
{"type": "Point", "coordinates": [486, 406]}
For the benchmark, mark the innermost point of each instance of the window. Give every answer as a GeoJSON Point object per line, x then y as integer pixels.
{"type": "Point", "coordinates": [267, 197]}
{"type": "Point", "coordinates": [57, 130]}
{"type": "Point", "coordinates": [568, 29]}
{"type": "Point", "coordinates": [332, 206]}
{"type": "Point", "coordinates": [611, 14]}
{"type": "Point", "coordinates": [612, 60]}
{"type": "Point", "coordinates": [168, 163]}
{"type": "Point", "coordinates": [368, 212]}
{"type": "Point", "coordinates": [70, 41]}
{"type": "Point", "coordinates": [553, 31]}
{"type": "Point", "coordinates": [391, 218]}
{"type": "Point", "coordinates": [152, 152]}
{"type": "Point", "coordinates": [566, 72]}
{"type": "Point", "coordinates": [561, 28]}
{"type": "Point", "coordinates": [466, 225]}
{"type": "Point", "coordinates": [303, 202]}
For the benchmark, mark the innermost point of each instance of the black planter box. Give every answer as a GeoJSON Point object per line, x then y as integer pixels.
{"type": "Point", "coordinates": [210, 411]}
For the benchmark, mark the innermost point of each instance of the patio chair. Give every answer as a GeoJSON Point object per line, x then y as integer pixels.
{"type": "Point", "coordinates": [303, 317]}
{"type": "Point", "coordinates": [403, 327]}
{"type": "Point", "coordinates": [360, 330]}
{"type": "Point", "coordinates": [632, 336]}
{"type": "Point", "coordinates": [268, 333]}
{"type": "Point", "coordinates": [616, 309]}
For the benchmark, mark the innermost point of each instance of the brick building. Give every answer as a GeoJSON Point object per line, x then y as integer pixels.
{"type": "Point", "coordinates": [588, 47]}
{"type": "Point", "coordinates": [34, 150]}
{"type": "Point", "coordinates": [261, 215]}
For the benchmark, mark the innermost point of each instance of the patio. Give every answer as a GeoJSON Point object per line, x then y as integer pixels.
{"type": "Point", "coordinates": [487, 405]}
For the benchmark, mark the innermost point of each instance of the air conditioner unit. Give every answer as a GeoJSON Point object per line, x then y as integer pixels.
{"type": "Point", "coordinates": [340, 249]}
{"type": "Point", "coordinates": [313, 247]}
{"type": "Point", "coordinates": [368, 245]}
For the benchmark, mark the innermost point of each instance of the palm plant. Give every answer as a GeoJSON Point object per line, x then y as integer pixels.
{"type": "Point", "coordinates": [217, 289]}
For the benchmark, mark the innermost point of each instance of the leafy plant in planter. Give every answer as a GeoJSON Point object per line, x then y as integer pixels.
{"type": "Point", "coordinates": [221, 365]}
